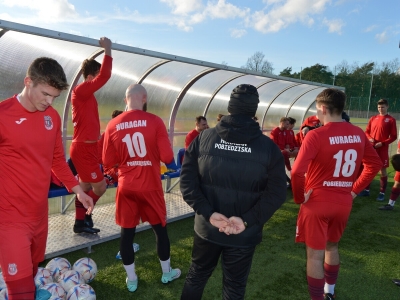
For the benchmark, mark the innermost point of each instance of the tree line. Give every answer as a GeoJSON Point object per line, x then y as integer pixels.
{"type": "Point", "coordinates": [355, 77]}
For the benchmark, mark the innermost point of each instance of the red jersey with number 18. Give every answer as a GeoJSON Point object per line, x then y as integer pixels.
{"type": "Point", "coordinates": [136, 142]}
{"type": "Point", "coordinates": [331, 156]}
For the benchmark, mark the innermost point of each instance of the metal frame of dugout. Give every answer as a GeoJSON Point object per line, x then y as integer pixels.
{"type": "Point", "coordinates": [178, 88]}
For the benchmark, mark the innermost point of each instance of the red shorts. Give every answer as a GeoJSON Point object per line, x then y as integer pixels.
{"type": "Point", "coordinates": [320, 222]}
{"type": "Point", "coordinates": [85, 157]}
{"type": "Point", "coordinates": [22, 246]}
{"type": "Point", "coordinates": [383, 153]}
{"type": "Point", "coordinates": [397, 176]}
{"type": "Point", "coordinates": [131, 206]}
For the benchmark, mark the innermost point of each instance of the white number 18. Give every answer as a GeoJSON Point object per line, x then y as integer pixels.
{"type": "Point", "coordinates": [349, 165]}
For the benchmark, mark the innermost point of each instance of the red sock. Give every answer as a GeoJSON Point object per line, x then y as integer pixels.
{"type": "Point", "coordinates": [21, 289]}
{"type": "Point", "coordinates": [316, 288]}
{"type": "Point", "coordinates": [383, 183]}
{"type": "Point", "coordinates": [394, 194]}
{"type": "Point", "coordinates": [80, 210]}
{"type": "Point", "coordinates": [331, 273]}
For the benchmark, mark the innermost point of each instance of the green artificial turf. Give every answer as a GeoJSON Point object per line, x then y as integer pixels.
{"type": "Point", "coordinates": [369, 255]}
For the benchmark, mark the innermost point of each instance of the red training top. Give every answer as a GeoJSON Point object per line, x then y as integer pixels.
{"type": "Point", "coordinates": [331, 156]}
{"type": "Point", "coordinates": [136, 142]}
{"type": "Point", "coordinates": [382, 129]}
{"type": "Point", "coordinates": [190, 137]}
{"type": "Point", "coordinates": [30, 148]}
{"type": "Point", "coordinates": [279, 137]}
{"type": "Point", "coordinates": [85, 114]}
{"type": "Point", "coordinates": [290, 139]}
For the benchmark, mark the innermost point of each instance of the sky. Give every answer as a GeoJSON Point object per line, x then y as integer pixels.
{"type": "Point", "coordinates": [290, 33]}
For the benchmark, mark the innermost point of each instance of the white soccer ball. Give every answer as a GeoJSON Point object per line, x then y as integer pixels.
{"type": "Point", "coordinates": [87, 268]}
{"type": "Point", "coordinates": [69, 279]}
{"type": "Point", "coordinates": [57, 266]}
{"type": "Point", "coordinates": [42, 277]}
{"type": "Point", "coordinates": [55, 289]}
{"type": "Point", "coordinates": [2, 282]}
{"type": "Point", "coordinates": [81, 292]}
{"type": "Point", "coordinates": [3, 294]}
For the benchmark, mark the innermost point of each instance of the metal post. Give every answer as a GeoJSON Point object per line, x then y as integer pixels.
{"type": "Point", "coordinates": [301, 70]}
{"type": "Point", "coordinates": [370, 92]}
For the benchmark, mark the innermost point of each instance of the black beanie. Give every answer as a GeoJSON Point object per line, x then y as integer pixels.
{"type": "Point", "coordinates": [244, 100]}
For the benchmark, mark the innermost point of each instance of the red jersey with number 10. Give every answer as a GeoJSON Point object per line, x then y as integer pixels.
{"type": "Point", "coordinates": [137, 141]}
{"type": "Point", "coordinates": [331, 156]}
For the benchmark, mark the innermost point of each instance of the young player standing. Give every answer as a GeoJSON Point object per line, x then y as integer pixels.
{"type": "Point", "coordinates": [84, 151]}
{"type": "Point", "coordinates": [30, 139]}
{"type": "Point", "coordinates": [381, 131]}
{"type": "Point", "coordinates": [136, 142]}
{"type": "Point", "coordinates": [331, 156]}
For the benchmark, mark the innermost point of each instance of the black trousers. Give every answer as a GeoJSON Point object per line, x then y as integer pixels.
{"type": "Point", "coordinates": [236, 264]}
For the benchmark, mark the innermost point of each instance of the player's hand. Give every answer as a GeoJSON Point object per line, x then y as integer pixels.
{"type": "Point", "coordinates": [219, 220]}
{"type": "Point", "coordinates": [106, 44]}
{"type": "Point", "coordinates": [307, 195]}
{"type": "Point", "coordinates": [86, 201]}
{"type": "Point", "coordinates": [305, 130]}
{"type": "Point", "coordinates": [378, 145]}
{"type": "Point", "coordinates": [353, 194]}
{"type": "Point", "coordinates": [371, 140]}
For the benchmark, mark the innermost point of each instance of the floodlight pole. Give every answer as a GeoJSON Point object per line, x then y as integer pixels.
{"type": "Point", "coordinates": [370, 92]}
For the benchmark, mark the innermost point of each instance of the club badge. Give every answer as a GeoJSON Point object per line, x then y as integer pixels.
{"type": "Point", "coordinates": [48, 123]}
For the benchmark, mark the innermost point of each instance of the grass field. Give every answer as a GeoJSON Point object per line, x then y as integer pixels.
{"type": "Point", "coordinates": [369, 249]}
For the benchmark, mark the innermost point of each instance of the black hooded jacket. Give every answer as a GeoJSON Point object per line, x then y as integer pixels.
{"type": "Point", "coordinates": [235, 170]}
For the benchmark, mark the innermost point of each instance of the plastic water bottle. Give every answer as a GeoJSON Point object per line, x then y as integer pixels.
{"type": "Point", "coordinates": [135, 249]}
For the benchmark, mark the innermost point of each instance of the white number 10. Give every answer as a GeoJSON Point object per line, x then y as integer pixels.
{"type": "Point", "coordinates": [135, 144]}
{"type": "Point", "coordinates": [349, 165]}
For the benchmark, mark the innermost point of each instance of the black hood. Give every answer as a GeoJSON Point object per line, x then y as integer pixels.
{"type": "Point", "coordinates": [238, 129]}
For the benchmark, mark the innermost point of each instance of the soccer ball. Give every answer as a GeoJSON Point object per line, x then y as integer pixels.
{"type": "Point", "coordinates": [55, 289]}
{"type": "Point", "coordinates": [42, 277]}
{"type": "Point", "coordinates": [69, 279]}
{"type": "Point", "coordinates": [2, 282]}
{"type": "Point", "coordinates": [81, 292]}
{"type": "Point", "coordinates": [57, 266]}
{"type": "Point", "coordinates": [3, 294]}
{"type": "Point", "coordinates": [87, 268]}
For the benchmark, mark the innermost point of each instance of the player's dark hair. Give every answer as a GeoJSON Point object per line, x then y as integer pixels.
{"type": "Point", "coordinates": [395, 161]}
{"type": "Point", "coordinates": [383, 102]}
{"type": "Point", "coordinates": [47, 71]}
{"type": "Point", "coordinates": [200, 118]}
{"type": "Point", "coordinates": [333, 99]}
{"type": "Point", "coordinates": [116, 113]}
{"type": "Point", "coordinates": [90, 67]}
{"type": "Point", "coordinates": [292, 121]}
{"type": "Point", "coordinates": [219, 117]}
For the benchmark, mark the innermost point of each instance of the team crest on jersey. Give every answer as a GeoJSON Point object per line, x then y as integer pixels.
{"type": "Point", "coordinates": [387, 120]}
{"type": "Point", "coordinates": [94, 175]}
{"type": "Point", "coordinates": [12, 269]}
{"type": "Point", "coordinates": [48, 122]}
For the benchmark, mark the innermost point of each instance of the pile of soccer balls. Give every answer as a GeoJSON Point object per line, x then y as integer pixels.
{"type": "Point", "coordinates": [66, 282]}
{"type": "Point", "coordinates": [63, 281]}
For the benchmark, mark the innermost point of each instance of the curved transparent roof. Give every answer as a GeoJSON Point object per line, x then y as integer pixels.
{"type": "Point", "coordinates": [179, 88]}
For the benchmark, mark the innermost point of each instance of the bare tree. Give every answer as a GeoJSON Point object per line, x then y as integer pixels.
{"type": "Point", "coordinates": [257, 63]}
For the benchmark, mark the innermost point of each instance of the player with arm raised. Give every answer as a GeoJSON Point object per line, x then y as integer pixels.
{"type": "Point", "coordinates": [136, 142]}
{"type": "Point", "coordinates": [83, 151]}
{"type": "Point", "coordinates": [30, 141]}
{"type": "Point", "coordinates": [331, 156]}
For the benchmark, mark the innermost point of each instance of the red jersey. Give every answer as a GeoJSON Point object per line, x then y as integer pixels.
{"type": "Point", "coordinates": [279, 137]}
{"type": "Point", "coordinates": [85, 114]}
{"type": "Point", "coordinates": [30, 148]}
{"type": "Point", "coordinates": [331, 156]}
{"type": "Point", "coordinates": [136, 142]}
{"type": "Point", "coordinates": [190, 137]}
{"type": "Point", "coordinates": [291, 139]}
{"type": "Point", "coordinates": [382, 129]}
